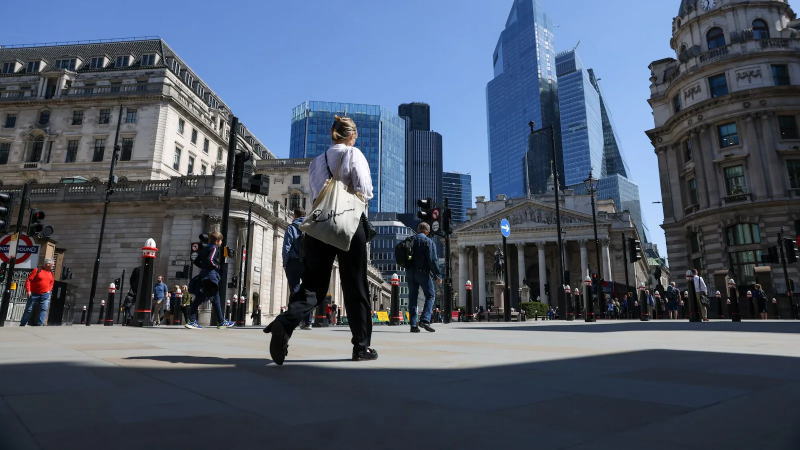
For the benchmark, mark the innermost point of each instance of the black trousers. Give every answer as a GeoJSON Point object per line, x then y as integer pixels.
{"type": "Point", "coordinates": [318, 261]}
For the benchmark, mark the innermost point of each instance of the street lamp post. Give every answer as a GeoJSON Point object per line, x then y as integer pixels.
{"type": "Point", "coordinates": [589, 311]}
{"type": "Point", "coordinates": [568, 301]}
{"type": "Point", "coordinates": [591, 186]}
{"type": "Point", "coordinates": [556, 188]}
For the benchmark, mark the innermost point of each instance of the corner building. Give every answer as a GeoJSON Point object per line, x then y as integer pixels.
{"type": "Point", "coordinates": [726, 135]}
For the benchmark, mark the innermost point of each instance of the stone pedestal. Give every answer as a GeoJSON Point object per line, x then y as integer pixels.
{"type": "Point", "coordinates": [499, 291]}
{"type": "Point", "coordinates": [525, 294]}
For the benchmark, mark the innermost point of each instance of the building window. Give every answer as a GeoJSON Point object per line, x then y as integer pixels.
{"type": "Point", "coordinates": [9, 67]}
{"type": "Point", "coordinates": [35, 154]}
{"type": "Point", "coordinates": [67, 63]}
{"type": "Point", "coordinates": [219, 153]}
{"type": "Point", "coordinates": [294, 201]}
{"type": "Point", "coordinates": [718, 85]}
{"type": "Point", "coordinates": [692, 185]}
{"type": "Point", "coordinates": [687, 151]}
{"type": "Point", "coordinates": [5, 150]}
{"type": "Point", "coordinates": [728, 136]}
{"type": "Point", "coordinates": [130, 115]}
{"type": "Point", "coordinates": [97, 62]}
{"type": "Point", "coordinates": [203, 169]}
{"type": "Point", "coordinates": [72, 151]}
{"type": "Point", "coordinates": [176, 160]}
{"type": "Point", "coordinates": [744, 266]}
{"type": "Point", "coordinates": [105, 116]}
{"type": "Point", "coordinates": [295, 179]}
{"type": "Point", "coordinates": [788, 127]}
{"type": "Point", "coordinates": [77, 117]}
{"type": "Point", "coordinates": [122, 61]}
{"type": "Point", "coordinates": [676, 103]}
{"type": "Point", "coordinates": [734, 180]}
{"type": "Point", "coordinates": [33, 66]}
{"type": "Point", "coordinates": [206, 144]}
{"type": "Point", "coordinates": [127, 149]}
{"type": "Point", "coordinates": [715, 38]}
{"type": "Point", "coordinates": [99, 149]}
{"type": "Point", "coordinates": [760, 29]}
{"type": "Point", "coordinates": [194, 136]}
{"type": "Point", "coordinates": [744, 234]}
{"type": "Point", "coordinates": [149, 59]}
{"type": "Point", "coordinates": [44, 117]}
{"type": "Point", "coordinates": [694, 241]}
{"type": "Point", "coordinates": [181, 125]}
{"type": "Point", "coordinates": [793, 165]}
{"type": "Point", "coordinates": [780, 75]}
{"type": "Point", "coordinates": [11, 120]}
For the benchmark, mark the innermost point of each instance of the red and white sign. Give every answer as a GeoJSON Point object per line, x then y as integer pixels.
{"type": "Point", "coordinates": [27, 251]}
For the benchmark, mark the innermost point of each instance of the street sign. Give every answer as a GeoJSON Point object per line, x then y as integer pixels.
{"type": "Point", "coordinates": [505, 228]}
{"type": "Point", "coordinates": [27, 250]}
{"type": "Point", "coordinates": [435, 226]}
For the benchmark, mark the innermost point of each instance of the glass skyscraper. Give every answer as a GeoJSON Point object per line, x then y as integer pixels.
{"type": "Point", "coordinates": [381, 137]}
{"type": "Point", "coordinates": [522, 90]}
{"type": "Point", "coordinates": [423, 156]}
{"type": "Point", "coordinates": [457, 189]}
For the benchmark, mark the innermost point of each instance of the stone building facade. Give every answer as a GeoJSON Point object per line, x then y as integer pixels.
{"type": "Point", "coordinates": [726, 111]}
{"type": "Point", "coordinates": [533, 253]}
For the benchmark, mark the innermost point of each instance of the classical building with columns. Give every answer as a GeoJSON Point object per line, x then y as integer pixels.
{"type": "Point", "coordinates": [533, 252]}
{"type": "Point", "coordinates": [726, 109]}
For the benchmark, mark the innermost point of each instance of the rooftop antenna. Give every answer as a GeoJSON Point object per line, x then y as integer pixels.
{"type": "Point", "coordinates": [576, 46]}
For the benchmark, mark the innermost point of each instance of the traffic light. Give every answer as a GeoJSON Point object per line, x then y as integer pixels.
{"type": "Point", "coordinates": [634, 250]}
{"type": "Point", "coordinates": [259, 184]}
{"type": "Point", "coordinates": [790, 247]}
{"type": "Point", "coordinates": [447, 222]}
{"type": "Point", "coordinates": [425, 210]}
{"type": "Point", "coordinates": [37, 227]}
{"type": "Point", "coordinates": [242, 171]}
{"type": "Point", "coordinates": [771, 256]}
{"type": "Point", "coordinates": [5, 211]}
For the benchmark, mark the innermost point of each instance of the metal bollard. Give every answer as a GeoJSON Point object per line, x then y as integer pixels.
{"type": "Point", "coordinates": [144, 304]}
{"type": "Point", "coordinates": [109, 317]}
{"type": "Point", "coordinates": [587, 286]}
{"type": "Point", "coordinates": [395, 317]}
{"type": "Point", "coordinates": [470, 307]}
{"type": "Point", "coordinates": [102, 312]}
{"type": "Point", "coordinates": [644, 308]}
{"type": "Point", "coordinates": [83, 315]}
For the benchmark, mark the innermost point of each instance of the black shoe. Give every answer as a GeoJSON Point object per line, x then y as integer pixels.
{"type": "Point", "coordinates": [366, 354]}
{"type": "Point", "coordinates": [415, 329]}
{"type": "Point", "coordinates": [427, 327]}
{"type": "Point", "coordinates": [279, 344]}
{"type": "Point", "coordinates": [305, 327]}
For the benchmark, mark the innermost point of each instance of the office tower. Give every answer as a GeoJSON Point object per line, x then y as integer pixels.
{"type": "Point", "coordinates": [522, 90]}
{"type": "Point", "coordinates": [381, 137]}
{"type": "Point", "coordinates": [457, 189]}
{"type": "Point", "coordinates": [423, 156]}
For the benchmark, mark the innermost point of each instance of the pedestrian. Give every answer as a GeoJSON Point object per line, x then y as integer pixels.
{"type": "Point", "coordinates": [701, 294]}
{"type": "Point", "coordinates": [293, 259]}
{"type": "Point", "coordinates": [345, 163]}
{"type": "Point", "coordinates": [760, 297]}
{"type": "Point", "coordinates": [659, 304]}
{"type": "Point", "coordinates": [185, 303]}
{"type": "Point", "coordinates": [673, 298]}
{"type": "Point", "coordinates": [334, 314]}
{"type": "Point", "coordinates": [421, 272]}
{"type": "Point", "coordinates": [256, 315]}
{"type": "Point", "coordinates": [173, 305]}
{"type": "Point", "coordinates": [206, 284]}
{"type": "Point", "coordinates": [129, 302]}
{"type": "Point", "coordinates": [160, 292]}
{"type": "Point", "coordinates": [38, 287]}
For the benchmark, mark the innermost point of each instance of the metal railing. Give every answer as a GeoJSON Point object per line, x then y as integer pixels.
{"type": "Point", "coordinates": [112, 90]}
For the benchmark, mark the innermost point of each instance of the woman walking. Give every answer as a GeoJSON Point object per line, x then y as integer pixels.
{"type": "Point", "coordinates": [343, 162]}
{"type": "Point", "coordinates": [761, 298]}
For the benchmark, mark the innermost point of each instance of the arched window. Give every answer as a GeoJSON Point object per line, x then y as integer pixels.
{"type": "Point", "coordinates": [760, 29]}
{"type": "Point", "coordinates": [35, 148]}
{"type": "Point", "coordinates": [715, 38]}
{"type": "Point", "coordinates": [44, 117]}
{"type": "Point", "coordinates": [294, 201]}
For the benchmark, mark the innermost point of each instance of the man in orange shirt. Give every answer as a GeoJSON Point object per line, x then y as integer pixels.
{"type": "Point", "coordinates": [38, 287]}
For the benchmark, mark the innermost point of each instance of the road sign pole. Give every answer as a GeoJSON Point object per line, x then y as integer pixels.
{"type": "Point", "coordinates": [13, 259]}
{"type": "Point", "coordinates": [507, 290]}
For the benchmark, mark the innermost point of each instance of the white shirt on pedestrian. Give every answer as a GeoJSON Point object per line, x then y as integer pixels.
{"type": "Point", "coordinates": [700, 285]}
{"type": "Point", "coordinates": [347, 164]}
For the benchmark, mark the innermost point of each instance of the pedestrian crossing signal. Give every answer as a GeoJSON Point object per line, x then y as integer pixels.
{"type": "Point", "coordinates": [5, 211]}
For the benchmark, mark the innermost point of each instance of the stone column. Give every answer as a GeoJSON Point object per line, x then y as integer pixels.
{"type": "Point", "coordinates": [772, 160]}
{"type": "Point", "coordinates": [606, 260]}
{"type": "Point", "coordinates": [584, 261]}
{"type": "Point", "coordinates": [699, 157]}
{"type": "Point", "coordinates": [756, 173]}
{"type": "Point", "coordinates": [542, 272]}
{"type": "Point", "coordinates": [521, 272]}
{"type": "Point", "coordinates": [462, 275]}
{"type": "Point", "coordinates": [481, 276]}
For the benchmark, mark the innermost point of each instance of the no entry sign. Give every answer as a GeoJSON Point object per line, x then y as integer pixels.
{"type": "Point", "coordinates": [27, 250]}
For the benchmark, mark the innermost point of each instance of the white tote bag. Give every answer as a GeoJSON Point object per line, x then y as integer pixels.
{"type": "Point", "coordinates": [336, 213]}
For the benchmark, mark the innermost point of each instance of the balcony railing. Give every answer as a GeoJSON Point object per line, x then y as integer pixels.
{"type": "Point", "coordinates": [774, 43]}
{"type": "Point", "coordinates": [113, 90]}
{"type": "Point", "coordinates": [736, 198]}
{"type": "Point", "coordinates": [14, 95]}
{"type": "Point", "coordinates": [713, 54]}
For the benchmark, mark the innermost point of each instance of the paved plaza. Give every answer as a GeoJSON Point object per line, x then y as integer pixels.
{"type": "Point", "coordinates": [543, 385]}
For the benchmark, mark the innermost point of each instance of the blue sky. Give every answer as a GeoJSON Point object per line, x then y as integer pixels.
{"type": "Point", "coordinates": [265, 57]}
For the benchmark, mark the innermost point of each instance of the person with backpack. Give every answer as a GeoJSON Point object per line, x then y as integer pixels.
{"type": "Point", "coordinates": [421, 270]}
{"type": "Point", "coordinates": [293, 259]}
{"type": "Point", "coordinates": [206, 284]}
{"type": "Point", "coordinates": [38, 286]}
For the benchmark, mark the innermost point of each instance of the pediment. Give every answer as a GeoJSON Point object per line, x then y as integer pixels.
{"type": "Point", "coordinates": [529, 215]}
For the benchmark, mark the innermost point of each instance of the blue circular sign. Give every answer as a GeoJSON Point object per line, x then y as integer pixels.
{"type": "Point", "coordinates": [505, 228]}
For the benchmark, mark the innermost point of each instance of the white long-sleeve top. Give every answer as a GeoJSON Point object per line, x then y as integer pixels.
{"type": "Point", "coordinates": [347, 164]}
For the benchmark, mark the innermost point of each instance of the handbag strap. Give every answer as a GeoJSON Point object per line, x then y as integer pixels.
{"type": "Point", "coordinates": [328, 166]}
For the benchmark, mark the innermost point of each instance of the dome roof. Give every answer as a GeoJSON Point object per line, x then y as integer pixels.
{"type": "Point", "coordinates": [687, 6]}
